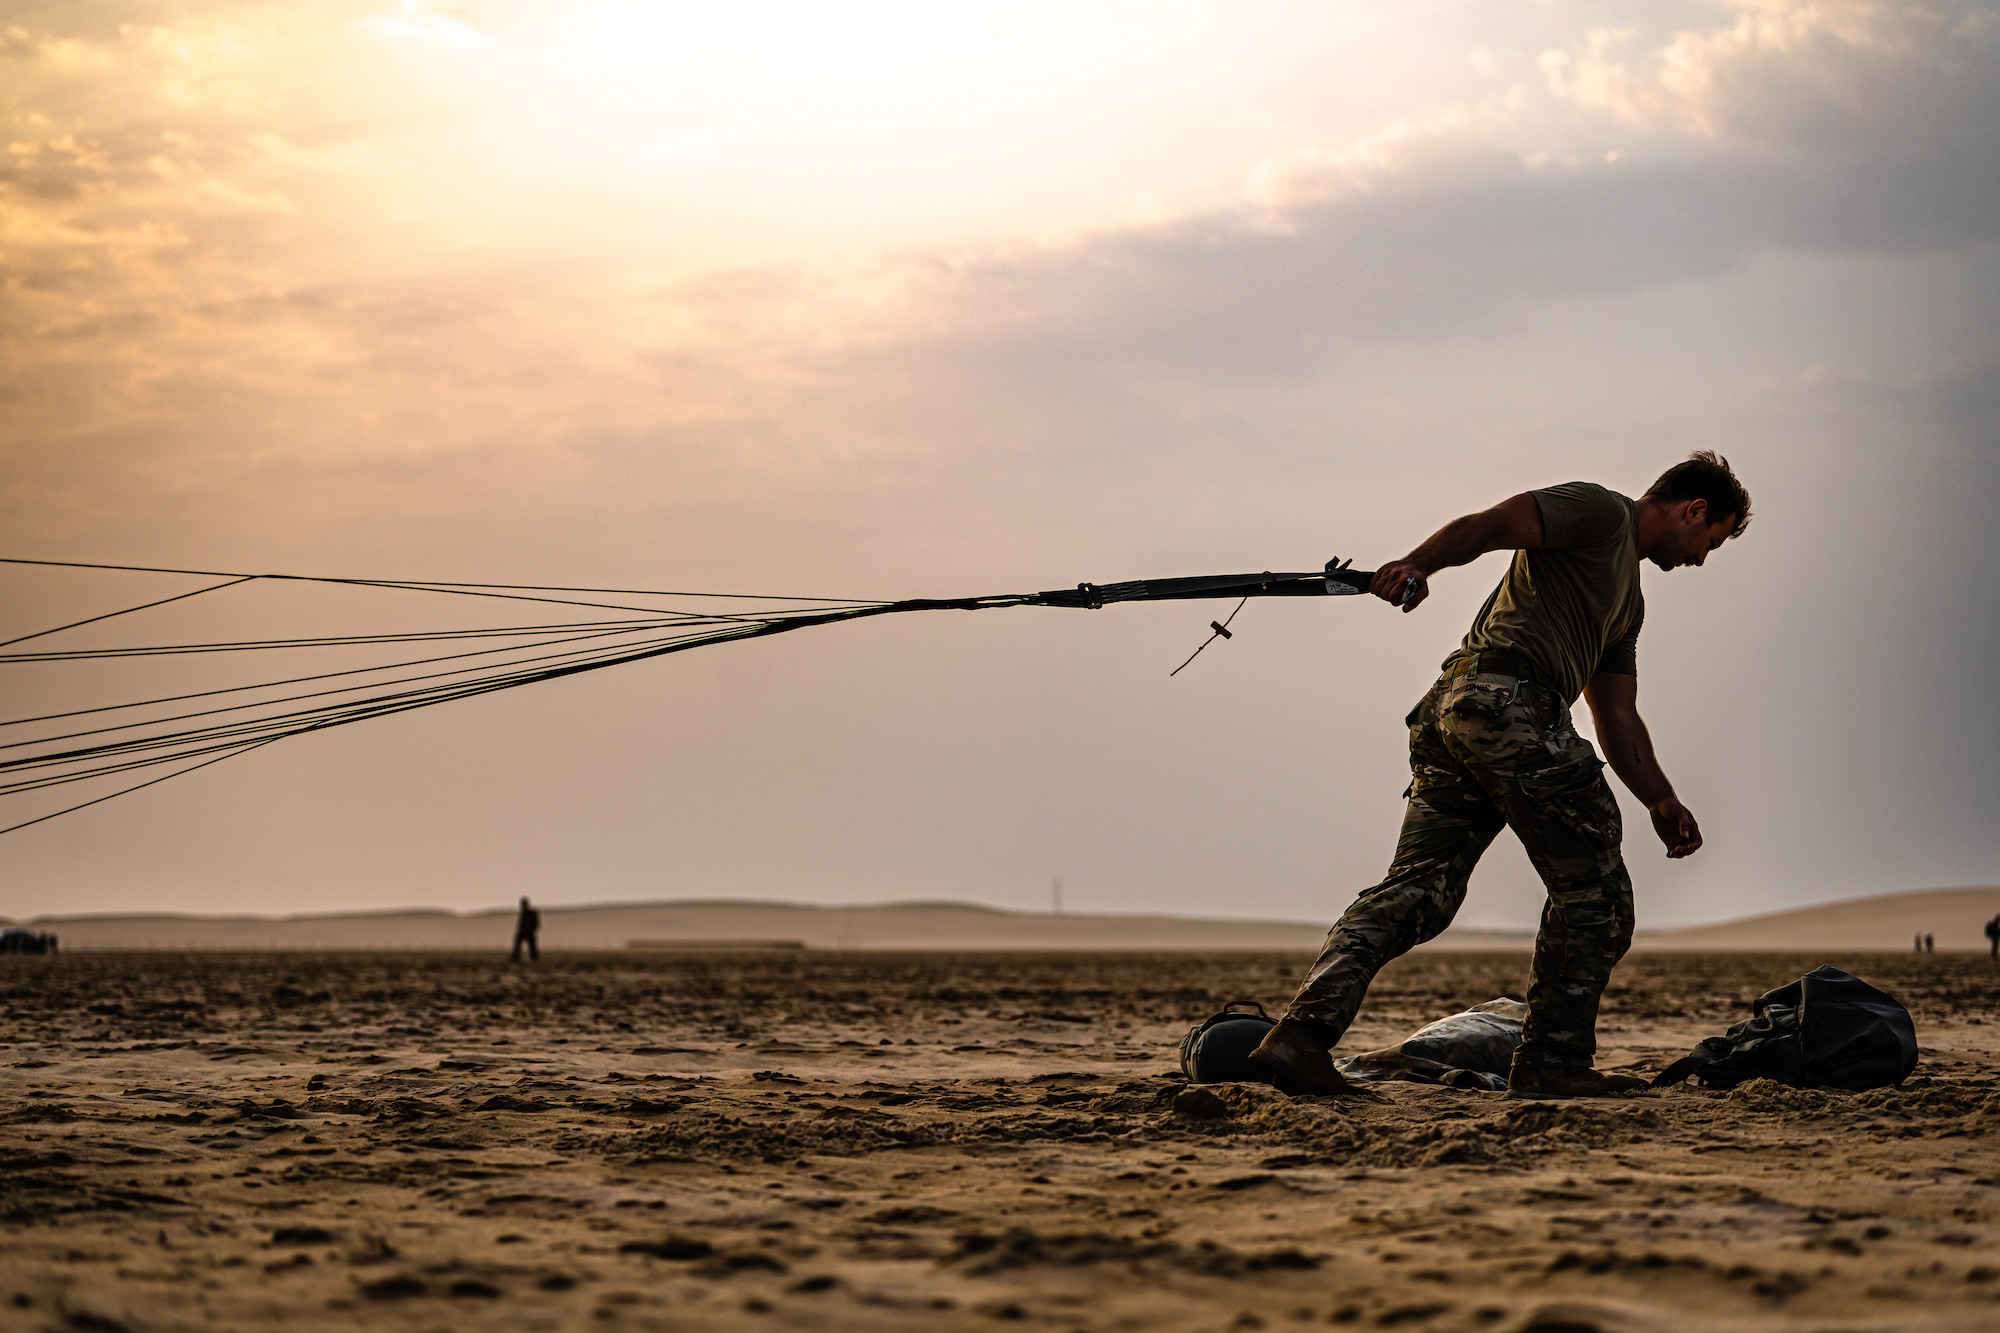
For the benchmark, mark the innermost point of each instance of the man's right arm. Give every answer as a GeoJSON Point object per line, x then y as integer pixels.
{"type": "Point", "coordinates": [1512, 525]}
{"type": "Point", "coordinates": [1628, 747]}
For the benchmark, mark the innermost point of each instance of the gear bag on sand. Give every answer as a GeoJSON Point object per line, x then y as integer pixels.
{"type": "Point", "coordinates": [1825, 1030]}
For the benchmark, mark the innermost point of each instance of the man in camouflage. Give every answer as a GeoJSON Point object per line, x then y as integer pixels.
{"type": "Point", "coordinates": [1492, 745]}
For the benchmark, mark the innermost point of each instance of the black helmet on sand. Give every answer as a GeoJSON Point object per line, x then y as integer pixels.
{"type": "Point", "coordinates": [1217, 1049]}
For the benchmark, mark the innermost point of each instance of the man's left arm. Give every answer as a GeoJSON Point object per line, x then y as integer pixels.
{"type": "Point", "coordinates": [1628, 747]}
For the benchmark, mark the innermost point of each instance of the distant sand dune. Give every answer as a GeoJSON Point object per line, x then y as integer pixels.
{"type": "Point", "coordinates": [661, 924]}
{"type": "Point", "coordinates": [1957, 917]}
{"type": "Point", "coordinates": [1885, 921]}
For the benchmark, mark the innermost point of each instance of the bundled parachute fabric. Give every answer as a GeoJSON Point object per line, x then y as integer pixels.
{"type": "Point", "coordinates": [1472, 1049]}
{"type": "Point", "coordinates": [1467, 1050]}
{"type": "Point", "coordinates": [1217, 1049]}
{"type": "Point", "coordinates": [1828, 1029]}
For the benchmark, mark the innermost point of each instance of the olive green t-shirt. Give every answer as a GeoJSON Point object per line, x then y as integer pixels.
{"type": "Point", "coordinates": [1572, 607]}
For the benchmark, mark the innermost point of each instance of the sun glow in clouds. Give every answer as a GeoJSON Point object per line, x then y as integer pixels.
{"type": "Point", "coordinates": [699, 135]}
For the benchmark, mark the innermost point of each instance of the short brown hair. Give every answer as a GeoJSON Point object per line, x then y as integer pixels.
{"type": "Point", "coordinates": [1706, 476]}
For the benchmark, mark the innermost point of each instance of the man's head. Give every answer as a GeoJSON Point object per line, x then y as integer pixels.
{"type": "Point", "coordinates": [1693, 508]}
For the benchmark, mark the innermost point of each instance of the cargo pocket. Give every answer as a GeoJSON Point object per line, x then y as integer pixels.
{"type": "Point", "coordinates": [1560, 781]}
{"type": "Point", "coordinates": [1571, 817]}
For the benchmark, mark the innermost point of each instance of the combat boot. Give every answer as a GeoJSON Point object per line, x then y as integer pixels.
{"type": "Point", "coordinates": [1556, 1082]}
{"type": "Point", "coordinates": [1295, 1059]}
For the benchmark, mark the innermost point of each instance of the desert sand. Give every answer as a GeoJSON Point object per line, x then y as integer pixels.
{"type": "Point", "coordinates": [828, 1140]}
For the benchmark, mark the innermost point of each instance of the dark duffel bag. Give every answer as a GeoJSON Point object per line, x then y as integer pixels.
{"type": "Point", "coordinates": [1217, 1049]}
{"type": "Point", "coordinates": [1826, 1030]}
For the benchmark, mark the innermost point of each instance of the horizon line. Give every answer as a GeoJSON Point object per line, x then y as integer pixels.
{"type": "Point", "coordinates": [905, 904]}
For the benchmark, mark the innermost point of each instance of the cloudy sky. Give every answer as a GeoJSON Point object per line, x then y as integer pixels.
{"type": "Point", "coordinates": [935, 299]}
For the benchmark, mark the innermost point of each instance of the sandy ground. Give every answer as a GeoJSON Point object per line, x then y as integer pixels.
{"type": "Point", "coordinates": [853, 1141]}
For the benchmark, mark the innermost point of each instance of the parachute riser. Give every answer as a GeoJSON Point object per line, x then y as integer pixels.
{"type": "Point", "coordinates": [1337, 580]}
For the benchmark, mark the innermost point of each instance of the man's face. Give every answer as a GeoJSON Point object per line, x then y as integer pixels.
{"type": "Point", "coordinates": [1690, 537]}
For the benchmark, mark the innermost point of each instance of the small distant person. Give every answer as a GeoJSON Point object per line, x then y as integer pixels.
{"type": "Point", "coordinates": [1920, 944]}
{"type": "Point", "coordinates": [1993, 939]}
{"type": "Point", "coordinates": [1493, 746]}
{"type": "Point", "coordinates": [1930, 943]}
{"type": "Point", "coordinates": [526, 926]}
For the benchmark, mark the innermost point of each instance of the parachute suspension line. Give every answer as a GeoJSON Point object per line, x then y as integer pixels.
{"type": "Point", "coordinates": [127, 791]}
{"type": "Point", "coordinates": [237, 689]}
{"type": "Point", "coordinates": [319, 641]}
{"type": "Point", "coordinates": [435, 584]}
{"type": "Point", "coordinates": [1221, 628]}
{"type": "Point", "coordinates": [234, 719]}
{"type": "Point", "coordinates": [147, 606]}
{"type": "Point", "coordinates": [211, 741]}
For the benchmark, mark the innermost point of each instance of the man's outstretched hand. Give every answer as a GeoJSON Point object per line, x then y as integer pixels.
{"type": "Point", "coordinates": [1393, 584]}
{"type": "Point", "coordinates": [1675, 824]}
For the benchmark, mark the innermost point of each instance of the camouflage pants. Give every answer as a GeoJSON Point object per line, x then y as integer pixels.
{"type": "Point", "coordinates": [1486, 751]}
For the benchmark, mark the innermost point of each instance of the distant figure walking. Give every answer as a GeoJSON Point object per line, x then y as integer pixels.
{"type": "Point", "coordinates": [1920, 944]}
{"type": "Point", "coordinates": [1930, 944]}
{"type": "Point", "coordinates": [526, 926]}
{"type": "Point", "coordinates": [1993, 939]}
